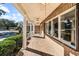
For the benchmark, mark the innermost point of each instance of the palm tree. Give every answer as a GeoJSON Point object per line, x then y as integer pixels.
{"type": "Point", "coordinates": [19, 26]}
{"type": "Point", "coordinates": [2, 12]}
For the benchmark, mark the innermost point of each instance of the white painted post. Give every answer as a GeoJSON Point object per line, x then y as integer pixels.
{"type": "Point", "coordinates": [42, 31]}
{"type": "Point", "coordinates": [33, 28]}
{"type": "Point", "coordinates": [24, 33]}
{"type": "Point", "coordinates": [30, 29]}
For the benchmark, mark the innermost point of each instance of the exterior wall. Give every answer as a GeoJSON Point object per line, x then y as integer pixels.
{"type": "Point", "coordinates": [37, 29]}
{"type": "Point", "coordinates": [77, 26]}
{"type": "Point", "coordinates": [61, 8]}
{"type": "Point", "coordinates": [65, 50]}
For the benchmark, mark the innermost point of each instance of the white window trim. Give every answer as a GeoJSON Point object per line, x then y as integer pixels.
{"type": "Point", "coordinates": [67, 43]}
{"type": "Point", "coordinates": [59, 26]}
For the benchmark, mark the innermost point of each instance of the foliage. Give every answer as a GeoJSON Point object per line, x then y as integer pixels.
{"type": "Point", "coordinates": [2, 12]}
{"type": "Point", "coordinates": [7, 23]}
{"type": "Point", "coordinates": [20, 26]}
{"type": "Point", "coordinates": [18, 40]}
{"type": "Point", "coordinates": [11, 45]}
{"type": "Point", "coordinates": [7, 47]}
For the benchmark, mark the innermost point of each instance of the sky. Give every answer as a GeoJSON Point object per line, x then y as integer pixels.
{"type": "Point", "coordinates": [12, 12]}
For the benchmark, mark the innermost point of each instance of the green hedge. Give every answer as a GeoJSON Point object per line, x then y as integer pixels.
{"type": "Point", "coordinates": [10, 45]}
{"type": "Point", "coordinates": [7, 47]}
{"type": "Point", "coordinates": [16, 38]}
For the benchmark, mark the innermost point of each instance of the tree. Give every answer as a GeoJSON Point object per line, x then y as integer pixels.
{"type": "Point", "coordinates": [7, 23]}
{"type": "Point", "coordinates": [20, 26]}
{"type": "Point", "coordinates": [2, 12]}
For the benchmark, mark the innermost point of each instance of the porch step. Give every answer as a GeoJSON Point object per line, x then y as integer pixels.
{"type": "Point", "coordinates": [32, 52]}
{"type": "Point", "coordinates": [38, 52]}
{"type": "Point", "coordinates": [27, 53]}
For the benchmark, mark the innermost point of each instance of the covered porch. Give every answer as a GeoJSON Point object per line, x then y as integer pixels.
{"type": "Point", "coordinates": [34, 41]}
{"type": "Point", "coordinates": [45, 32]}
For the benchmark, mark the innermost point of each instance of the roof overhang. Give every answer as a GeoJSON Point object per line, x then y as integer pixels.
{"type": "Point", "coordinates": [36, 12]}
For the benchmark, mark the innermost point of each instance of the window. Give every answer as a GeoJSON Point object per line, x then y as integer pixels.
{"type": "Point", "coordinates": [49, 30]}
{"type": "Point", "coordinates": [68, 27]}
{"type": "Point", "coordinates": [55, 27]}
{"type": "Point", "coordinates": [63, 27]}
{"type": "Point", "coordinates": [28, 29]}
{"type": "Point", "coordinates": [46, 28]}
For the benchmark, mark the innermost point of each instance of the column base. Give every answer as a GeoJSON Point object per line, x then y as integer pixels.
{"type": "Point", "coordinates": [23, 48]}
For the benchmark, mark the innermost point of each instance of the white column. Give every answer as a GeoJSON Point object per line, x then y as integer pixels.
{"type": "Point", "coordinates": [30, 29]}
{"type": "Point", "coordinates": [24, 34]}
{"type": "Point", "coordinates": [42, 30]}
{"type": "Point", "coordinates": [33, 28]}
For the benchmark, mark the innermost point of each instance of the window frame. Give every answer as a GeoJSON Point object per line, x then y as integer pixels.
{"type": "Point", "coordinates": [59, 26]}
{"type": "Point", "coordinates": [53, 27]}
{"type": "Point", "coordinates": [65, 12]}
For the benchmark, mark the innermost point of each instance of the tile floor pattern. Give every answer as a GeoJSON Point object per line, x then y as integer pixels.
{"type": "Point", "coordinates": [39, 44]}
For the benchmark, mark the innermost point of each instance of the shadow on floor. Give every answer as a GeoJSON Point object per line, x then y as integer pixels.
{"type": "Point", "coordinates": [38, 52]}
{"type": "Point", "coordinates": [39, 37]}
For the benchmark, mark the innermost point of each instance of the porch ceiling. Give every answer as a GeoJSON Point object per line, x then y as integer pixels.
{"type": "Point", "coordinates": [36, 12]}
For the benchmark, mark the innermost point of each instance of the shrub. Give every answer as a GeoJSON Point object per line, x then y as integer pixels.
{"type": "Point", "coordinates": [18, 39]}
{"type": "Point", "coordinates": [7, 47]}
{"type": "Point", "coordinates": [11, 45]}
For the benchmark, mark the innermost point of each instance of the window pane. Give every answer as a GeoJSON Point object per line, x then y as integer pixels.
{"type": "Point", "coordinates": [50, 27]}
{"type": "Point", "coordinates": [68, 27]}
{"type": "Point", "coordinates": [28, 29]}
{"type": "Point", "coordinates": [46, 28]}
{"type": "Point", "coordinates": [55, 26]}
